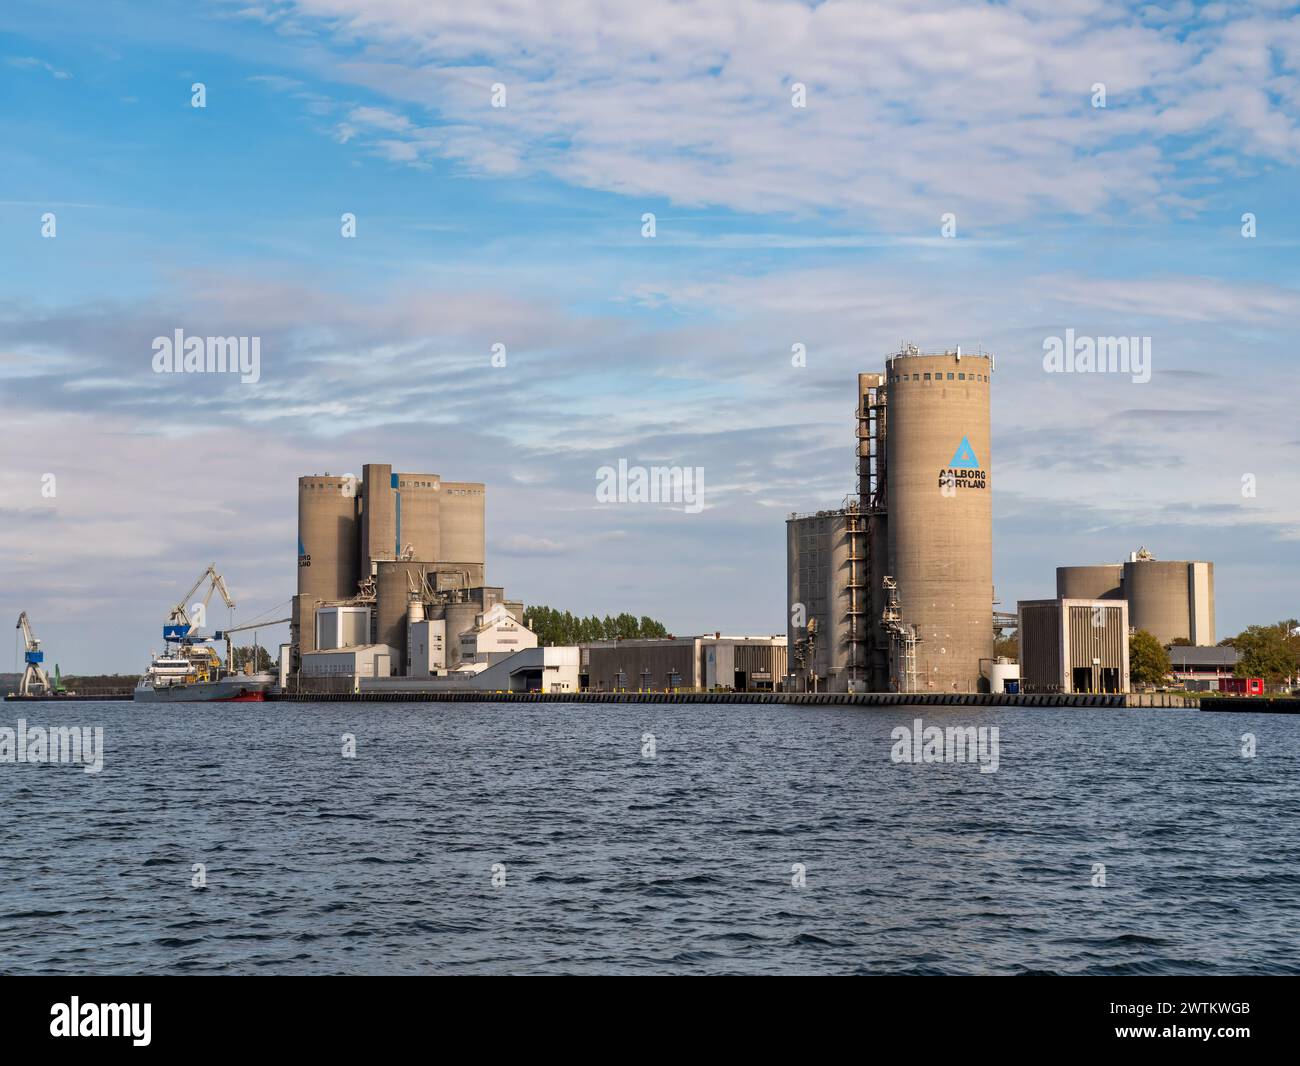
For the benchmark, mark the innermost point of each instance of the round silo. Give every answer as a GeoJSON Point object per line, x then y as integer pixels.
{"type": "Point", "coordinates": [459, 617]}
{"type": "Point", "coordinates": [1089, 582]}
{"type": "Point", "coordinates": [937, 472]}
{"type": "Point", "coordinates": [392, 595]}
{"type": "Point", "coordinates": [1159, 598]}
{"type": "Point", "coordinates": [328, 545]}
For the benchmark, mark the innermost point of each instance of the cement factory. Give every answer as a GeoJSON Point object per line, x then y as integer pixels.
{"type": "Point", "coordinates": [893, 591]}
{"type": "Point", "coordinates": [393, 596]}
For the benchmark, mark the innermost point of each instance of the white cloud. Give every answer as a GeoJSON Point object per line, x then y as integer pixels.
{"type": "Point", "coordinates": [914, 108]}
{"type": "Point", "coordinates": [32, 63]}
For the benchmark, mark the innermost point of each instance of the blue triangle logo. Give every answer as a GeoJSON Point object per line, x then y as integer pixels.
{"type": "Point", "coordinates": [965, 457]}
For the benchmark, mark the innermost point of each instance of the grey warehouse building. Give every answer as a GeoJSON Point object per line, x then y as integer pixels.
{"type": "Point", "coordinates": [715, 661]}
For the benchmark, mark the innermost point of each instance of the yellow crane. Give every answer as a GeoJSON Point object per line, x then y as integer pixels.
{"type": "Point", "coordinates": [179, 628]}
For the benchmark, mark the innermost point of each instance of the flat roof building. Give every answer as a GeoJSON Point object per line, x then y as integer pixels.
{"type": "Point", "coordinates": [1073, 645]}
{"type": "Point", "coordinates": [715, 661]}
{"type": "Point", "coordinates": [1201, 669]}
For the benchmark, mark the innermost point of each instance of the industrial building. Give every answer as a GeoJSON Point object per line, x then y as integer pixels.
{"type": "Point", "coordinates": [392, 596]}
{"type": "Point", "coordinates": [1170, 600]}
{"type": "Point", "coordinates": [549, 669]}
{"type": "Point", "coordinates": [1203, 669]}
{"type": "Point", "coordinates": [360, 660]}
{"type": "Point", "coordinates": [1074, 645]}
{"type": "Point", "coordinates": [894, 591]}
{"type": "Point", "coordinates": [391, 575]}
{"type": "Point", "coordinates": [715, 661]}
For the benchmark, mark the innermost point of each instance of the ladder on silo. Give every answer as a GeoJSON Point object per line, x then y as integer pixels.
{"type": "Point", "coordinates": [903, 636]}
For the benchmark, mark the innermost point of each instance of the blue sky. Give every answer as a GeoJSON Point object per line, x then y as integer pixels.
{"type": "Point", "coordinates": [521, 225]}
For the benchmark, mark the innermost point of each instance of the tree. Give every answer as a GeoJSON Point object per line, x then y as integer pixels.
{"type": "Point", "coordinates": [245, 655]}
{"type": "Point", "coordinates": [1266, 651]}
{"type": "Point", "coordinates": [565, 628]}
{"type": "Point", "coordinates": [1148, 662]}
{"type": "Point", "coordinates": [1009, 647]}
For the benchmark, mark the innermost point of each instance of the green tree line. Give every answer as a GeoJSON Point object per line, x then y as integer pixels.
{"type": "Point", "coordinates": [1268, 651]}
{"type": "Point", "coordinates": [564, 627]}
{"type": "Point", "coordinates": [1271, 652]}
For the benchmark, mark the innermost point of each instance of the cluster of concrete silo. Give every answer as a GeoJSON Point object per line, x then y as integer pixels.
{"type": "Point", "coordinates": [407, 548]}
{"type": "Point", "coordinates": [1170, 599]}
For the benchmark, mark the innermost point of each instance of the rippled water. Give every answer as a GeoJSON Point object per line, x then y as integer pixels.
{"type": "Point", "coordinates": [677, 864]}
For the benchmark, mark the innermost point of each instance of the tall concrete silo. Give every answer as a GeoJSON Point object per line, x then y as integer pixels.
{"type": "Point", "coordinates": [392, 598]}
{"type": "Point", "coordinates": [1090, 582]}
{"type": "Point", "coordinates": [419, 498]}
{"type": "Point", "coordinates": [461, 522]}
{"type": "Point", "coordinates": [378, 513]}
{"type": "Point", "coordinates": [1171, 600]}
{"type": "Point", "coordinates": [940, 528]}
{"type": "Point", "coordinates": [327, 537]}
{"type": "Point", "coordinates": [328, 562]}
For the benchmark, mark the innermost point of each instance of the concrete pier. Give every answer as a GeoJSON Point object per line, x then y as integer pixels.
{"type": "Point", "coordinates": [860, 699]}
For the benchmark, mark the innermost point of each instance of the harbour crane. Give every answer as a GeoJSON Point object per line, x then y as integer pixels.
{"type": "Point", "coordinates": [178, 627]}
{"type": "Point", "coordinates": [230, 651]}
{"type": "Point", "coordinates": [35, 682]}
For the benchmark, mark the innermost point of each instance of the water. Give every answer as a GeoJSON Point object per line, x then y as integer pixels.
{"type": "Point", "coordinates": [619, 864]}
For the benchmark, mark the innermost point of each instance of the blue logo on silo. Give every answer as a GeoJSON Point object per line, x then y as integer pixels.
{"type": "Point", "coordinates": [963, 472]}
{"type": "Point", "coordinates": [965, 456]}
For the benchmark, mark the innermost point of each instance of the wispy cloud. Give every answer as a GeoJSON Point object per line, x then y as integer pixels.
{"type": "Point", "coordinates": [912, 108]}
{"type": "Point", "coordinates": [32, 63]}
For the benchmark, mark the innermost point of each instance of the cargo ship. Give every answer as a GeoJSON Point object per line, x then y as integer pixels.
{"type": "Point", "coordinates": [195, 675]}
{"type": "Point", "coordinates": [189, 673]}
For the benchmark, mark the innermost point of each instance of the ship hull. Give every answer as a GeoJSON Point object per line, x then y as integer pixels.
{"type": "Point", "coordinates": [225, 690]}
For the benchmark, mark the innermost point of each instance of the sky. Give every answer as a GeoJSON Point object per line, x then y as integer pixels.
{"type": "Point", "coordinates": [848, 177]}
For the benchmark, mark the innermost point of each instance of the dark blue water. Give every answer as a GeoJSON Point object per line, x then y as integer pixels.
{"type": "Point", "coordinates": [618, 864]}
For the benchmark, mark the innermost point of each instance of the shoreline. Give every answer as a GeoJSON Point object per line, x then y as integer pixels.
{"type": "Point", "coordinates": [861, 699]}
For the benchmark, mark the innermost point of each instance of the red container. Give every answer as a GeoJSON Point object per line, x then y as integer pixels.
{"type": "Point", "coordinates": [1242, 686]}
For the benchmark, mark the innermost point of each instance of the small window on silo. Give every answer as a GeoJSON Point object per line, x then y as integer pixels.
{"type": "Point", "coordinates": [961, 377]}
{"type": "Point", "coordinates": [927, 377]}
{"type": "Point", "coordinates": [949, 377]}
